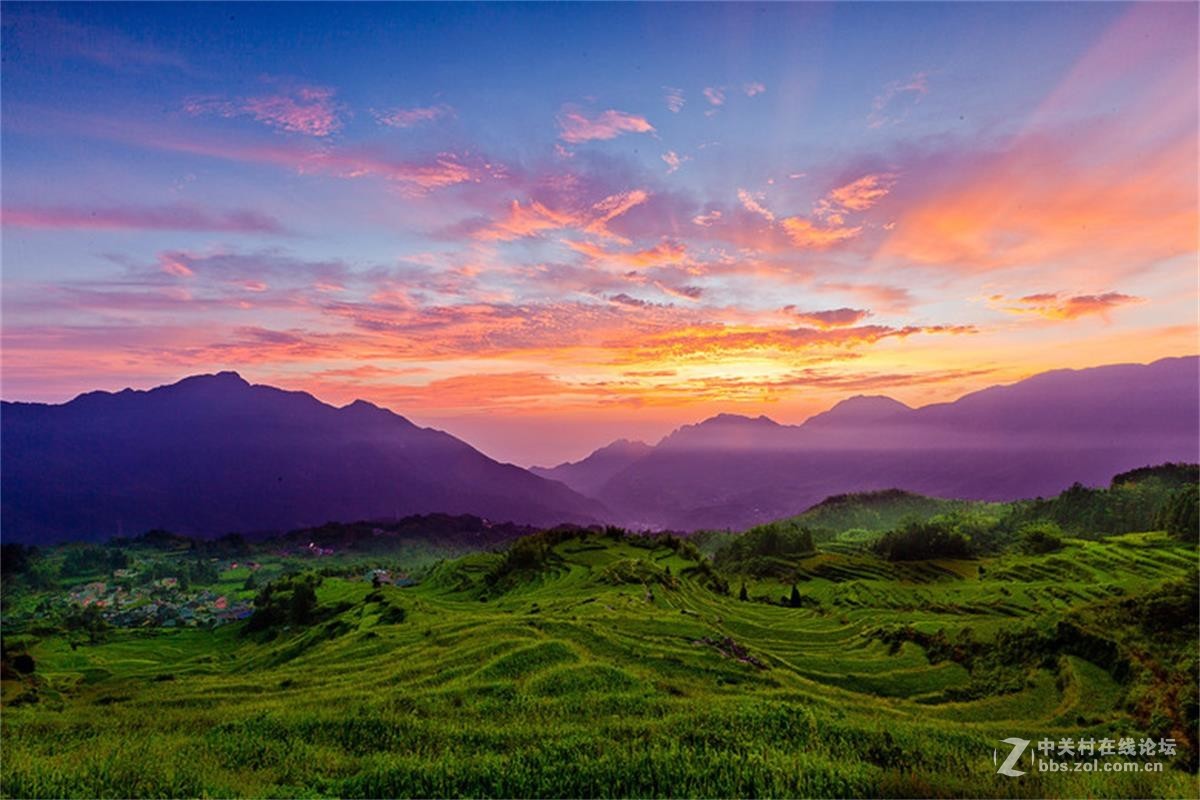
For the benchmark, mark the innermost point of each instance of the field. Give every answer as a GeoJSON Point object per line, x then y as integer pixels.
{"type": "Point", "coordinates": [598, 664]}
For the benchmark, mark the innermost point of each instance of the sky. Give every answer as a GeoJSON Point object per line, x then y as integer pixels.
{"type": "Point", "coordinates": [544, 227]}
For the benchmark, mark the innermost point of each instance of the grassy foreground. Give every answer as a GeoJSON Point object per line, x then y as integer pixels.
{"type": "Point", "coordinates": [614, 666]}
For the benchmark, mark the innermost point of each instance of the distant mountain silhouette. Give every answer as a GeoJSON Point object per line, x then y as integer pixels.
{"type": "Point", "coordinates": [212, 454]}
{"type": "Point", "coordinates": [1031, 438]}
{"type": "Point", "coordinates": [589, 474]}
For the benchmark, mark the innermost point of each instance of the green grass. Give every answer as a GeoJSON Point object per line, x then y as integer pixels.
{"type": "Point", "coordinates": [579, 680]}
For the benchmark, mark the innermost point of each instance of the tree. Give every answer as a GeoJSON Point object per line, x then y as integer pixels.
{"type": "Point", "coordinates": [290, 600]}
{"type": "Point", "coordinates": [304, 603]}
{"type": "Point", "coordinates": [14, 558]}
{"type": "Point", "coordinates": [743, 595]}
{"type": "Point", "coordinates": [1181, 515]}
{"type": "Point", "coordinates": [88, 621]}
{"type": "Point", "coordinates": [795, 601]}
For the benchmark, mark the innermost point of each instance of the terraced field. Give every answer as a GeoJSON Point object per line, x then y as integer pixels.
{"type": "Point", "coordinates": [613, 668]}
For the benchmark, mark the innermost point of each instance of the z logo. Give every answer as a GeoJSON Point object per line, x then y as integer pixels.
{"type": "Point", "coordinates": [1018, 748]}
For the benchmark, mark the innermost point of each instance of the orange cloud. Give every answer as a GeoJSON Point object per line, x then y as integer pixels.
{"type": "Point", "coordinates": [807, 235]}
{"type": "Point", "coordinates": [1053, 305]}
{"type": "Point", "coordinates": [863, 193]}
{"type": "Point", "coordinates": [714, 342]}
{"type": "Point", "coordinates": [1112, 195]}
{"type": "Point", "coordinates": [536, 218]}
{"type": "Point", "coordinates": [525, 221]}
{"type": "Point", "coordinates": [661, 254]}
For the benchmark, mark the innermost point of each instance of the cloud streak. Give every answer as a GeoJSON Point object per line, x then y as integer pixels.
{"type": "Point", "coordinates": [164, 218]}
{"type": "Point", "coordinates": [309, 110]}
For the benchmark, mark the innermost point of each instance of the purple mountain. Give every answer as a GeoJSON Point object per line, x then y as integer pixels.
{"type": "Point", "coordinates": [212, 454]}
{"type": "Point", "coordinates": [1032, 438]}
{"type": "Point", "coordinates": [588, 475]}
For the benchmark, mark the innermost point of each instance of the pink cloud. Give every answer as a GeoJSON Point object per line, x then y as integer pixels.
{"type": "Point", "coordinates": [527, 220]}
{"type": "Point", "coordinates": [662, 254]}
{"type": "Point", "coordinates": [576, 127]}
{"type": "Point", "coordinates": [890, 298]}
{"type": "Point", "coordinates": [752, 202]}
{"type": "Point", "coordinates": [310, 110]}
{"type": "Point", "coordinates": [674, 99]}
{"type": "Point", "coordinates": [176, 218]}
{"type": "Point", "coordinates": [410, 117]}
{"type": "Point", "coordinates": [536, 218]}
{"type": "Point", "coordinates": [715, 95]}
{"type": "Point", "coordinates": [612, 207]}
{"type": "Point", "coordinates": [753, 88]}
{"type": "Point", "coordinates": [832, 318]}
{"type": "Point", "coordinates": [893, 104]}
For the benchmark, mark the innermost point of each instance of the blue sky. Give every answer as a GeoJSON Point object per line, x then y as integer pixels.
{"type": "Point", "coordinates": [568, 222]}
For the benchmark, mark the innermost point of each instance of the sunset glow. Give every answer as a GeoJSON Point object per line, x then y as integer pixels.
{"type": "Point", "coordinates": [543, 227]}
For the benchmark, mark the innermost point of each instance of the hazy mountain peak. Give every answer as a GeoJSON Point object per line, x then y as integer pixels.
{"type": "Point", "coordinates": [588, 474]}
{"type": "Point", "coordinates": [225, 378]}
{"type": "Point", "coordinates": [622, 446]}
{"type": "Point", "coordinates": [860, 408]}
{"type": "Point", "coordinates": [738, 419]}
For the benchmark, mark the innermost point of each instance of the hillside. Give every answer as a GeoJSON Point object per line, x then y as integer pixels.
{"type": "Point", "coordinates": [213, 454]}
{"type": "Point", "coordinates": [625, 658]}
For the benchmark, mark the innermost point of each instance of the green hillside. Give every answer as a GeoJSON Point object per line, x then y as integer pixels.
{"type": "Point", "coordinates": [582, 663]}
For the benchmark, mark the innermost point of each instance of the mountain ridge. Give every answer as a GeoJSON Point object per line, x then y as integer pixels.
{"type": "Point", "coordinates": [210, 454]}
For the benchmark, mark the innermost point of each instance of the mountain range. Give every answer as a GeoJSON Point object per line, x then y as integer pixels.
{"type": "Point", "coordinates": [213, 453]}
{"type": "Point", "coordinates": [1032, 438]}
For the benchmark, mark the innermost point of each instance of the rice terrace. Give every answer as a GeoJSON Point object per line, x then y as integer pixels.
{"type": "Point", "coordinates": [583, 400]}
{"type": "Point", "coordinates": [628, 657]}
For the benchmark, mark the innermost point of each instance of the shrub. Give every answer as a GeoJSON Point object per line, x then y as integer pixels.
{"type": "Point", "coordinates": [921, 541]}
{"type": "Point", "coordinates": [759, 550]}
{"type": "Point", "coordinates": [1037, 538]}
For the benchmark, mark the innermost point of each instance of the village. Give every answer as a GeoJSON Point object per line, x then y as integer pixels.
{"type": "Point", "coordinates": [156, 603]}
{"type": "Point", "coordinates": [124, 601]}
